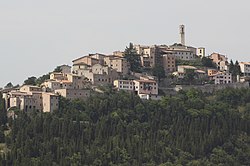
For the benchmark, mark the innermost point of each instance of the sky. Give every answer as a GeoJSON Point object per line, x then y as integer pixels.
{"type": "Point", "coordinates": [36, 36]}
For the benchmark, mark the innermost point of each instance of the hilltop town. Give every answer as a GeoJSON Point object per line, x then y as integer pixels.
{"type": "Point", "coordinates": [147, 71]}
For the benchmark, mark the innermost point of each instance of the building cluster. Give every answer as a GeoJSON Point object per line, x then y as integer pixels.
{"type": "Point", "coordinates": [93, 70]}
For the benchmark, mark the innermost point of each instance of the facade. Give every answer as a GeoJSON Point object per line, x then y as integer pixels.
{"type": "Point", "coordinates": [120, 64]}
{"type": "Point", "coordinates": [127, 85]}
{"type": "Point", "coordinates": [143, 88]}
{"type": "Point", "coordinates": [147, 55]}
{"type": "Point", "coordinates": [245, 68]}
{"type": "Point", "coordinates": [31, 98]}
{"type": "Point", "coordinates": [183, 52]}
{"type": "Point", "coordinates": [118, 53]}
{"type": "Point", "coordinates": [79, 68]}
{"type": "Point", "coordinates": [221, 61]}
{"type": "Point", "coordinates": [50, 102]}
{"type": "Point", "coordinates": [99, 75]}
{"type": "Point", "coordinates": [222, 78]}
{"type": "Point", "coordinates": [54, 84]}
{"type": "Point", "coordinates": [201, 52]}
{"type": "Point", "coordinates": [64, 81]}
{"type": "Point", "coordinates": [169, 65]}
{"type": "Point", "coordinates": [58, 76]}
{"type": "Point", "coordinates": [149, 87]}
{"type": "Point", "coordinates": [211, 72]}
{"type": "Point", "coordinates": [72, 94]}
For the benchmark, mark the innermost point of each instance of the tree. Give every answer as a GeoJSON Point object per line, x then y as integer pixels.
{"type": "Point", "coordinates": [234, 69]}
{"type": "Point", "coordinates": [58, 69]}
{"type": "Point", "coordinates": [207, 62]}
{"type": "Point", "coordinates": [159, 72]}
{"type": "Point", "coordinates": [30, 81]}
{"type": "Point", "coordinates": [9, 85]}
{"type": "Point", "coordinates": [133, 58]}
{"type": "Point", "coordinates": [189, 76]}
{"type": "Point", "coordinates": [41, 79]}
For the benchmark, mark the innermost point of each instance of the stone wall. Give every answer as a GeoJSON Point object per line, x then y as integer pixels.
{"type": "Point", "coordinates": [210, 88]}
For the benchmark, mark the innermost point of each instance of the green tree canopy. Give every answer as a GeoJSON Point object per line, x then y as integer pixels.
{"type": "Point", "coordinates": [159, 72]}
{"type": "Point", "coordinates": [133, 58]}
{"type": "Point", "coordinates": [9, 85]}
{"type": "Point", "coordinates": [30, 81]}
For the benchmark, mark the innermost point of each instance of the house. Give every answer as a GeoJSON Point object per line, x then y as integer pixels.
{"type": "Point", "coordinates": [99, 74]}
{"type": "Point", "coordinates": [147, 55]}
{"type": "Point", "coordinates": [149, 87]}
{"type": "Point", "coordinates": [221, 78]}
{"type": "Point", "coordinates": [118, 53]}
{"type": "Point", "coordinates": [211, 72]}
{"type": "Point", "coordinates": [221, 61]}
{"type": "Point", "coordinates": [182, 52]}
{"type": "Point", "coordinates": [169, 59]}
{"type": "Point", "coordinates": [245, 68]}
{"type": "Point", "coordinates": [32, 98]}
{"type": "Point", "coordinates": [120, 64]}
{"type": "Point", "coordinates": [143, 88]}
{"type": "Point", "coordinates": [127, 85]}
{"type": "Point", "coordinates": [64, 81]}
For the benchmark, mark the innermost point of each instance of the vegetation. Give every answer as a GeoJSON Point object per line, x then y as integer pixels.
{"type": "Point", "coordinates": [159, 72]}
{"type": "Point", "coordinates": [199, 62]}
{"type": "Point", "coordinates": [9, 85]}
{"type": "Point", "coordinates": [58, 69]}
{"type": "Point", "coordinates": [133, 58]}
{"type": "Point", "coordinates": [191, 128]}
{"type": "Point", "coordinates": [234, 68]}
{"type": "Point", "coordinates": [38, 81]}
{"type": "Point", "coordinates": [207, 62]}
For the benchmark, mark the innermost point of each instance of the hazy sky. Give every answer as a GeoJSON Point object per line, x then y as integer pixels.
{"type": "Point", "coordinates": [38, 35]}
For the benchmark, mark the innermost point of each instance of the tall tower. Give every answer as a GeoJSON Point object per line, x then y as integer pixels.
{"type": "Point", "coordinates": [182, 34]}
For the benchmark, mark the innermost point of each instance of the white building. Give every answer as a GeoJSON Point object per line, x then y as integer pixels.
{"type": "Point", "coordinates": [221, 78]}
{"type": "Point", "coordinates": [125, 85]}
{"type": "Point", "coordinates": [145, 89]}
{"type": "Point", "coordinates": [201, 52]}
{"type": "Point", "coordinates": [245, 68]}
{"type": "Point", "coordinates": [183, 52]}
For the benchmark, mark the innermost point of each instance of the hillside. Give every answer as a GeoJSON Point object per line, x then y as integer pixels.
{"type": "Point", "coordinates": [118, 128]}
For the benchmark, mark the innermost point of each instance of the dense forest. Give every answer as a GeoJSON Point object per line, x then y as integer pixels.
{"type": "Point", "coordinates": [118, 128]}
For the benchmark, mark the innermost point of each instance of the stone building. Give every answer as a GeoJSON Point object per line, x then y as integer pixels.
{"type": "Point", "coordinates": [32, 98]}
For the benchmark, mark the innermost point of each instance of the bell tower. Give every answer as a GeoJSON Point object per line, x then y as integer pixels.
{"type": "Point", "coordinates": [182, 34]}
